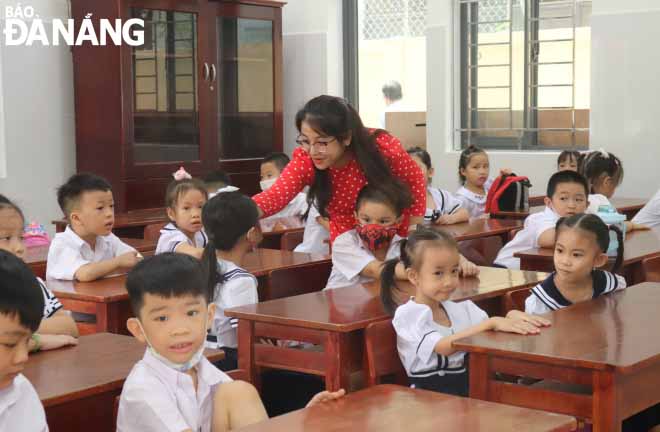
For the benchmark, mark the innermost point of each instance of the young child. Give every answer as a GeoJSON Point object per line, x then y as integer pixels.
{"type": "Point", "coordinates": [218, 181]}
{"type": "Point", "coordinates": [442, 207]}
{"type": "Point", "coordinates": [271, 168]}
{"type": "Point", "coordinates": [21, 309]}
{"type": "Point", "coordinates": [184, 199]}
{"type": "Point", "coordinates": [316, 236]}
{"type": "Point", "coordinates": [473, 172]}
{"type": "Point", "coordinates": [57, 327]}
{"type": "Point", "coordinates": [649, 215]}
{"type": "Point", "coordinates": [428, 323]}
{"type": "Point", "coordinates": [358, 255]}
{"type": "Point", "coordinates": [231, 221]}
{"type": "Point", "coordinates": [174, 387]}
{"type": "Point", "coordinates": [568, 160]}
{"type": "Point", "coordinates": [88, 250]}
{"type": "Point", "coordinates": [566, 195]}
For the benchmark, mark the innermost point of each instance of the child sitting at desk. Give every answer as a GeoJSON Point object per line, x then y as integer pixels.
{"type": "Point", "coordinates": [566, 195]}
{"type": "Point", "coordinates": [174, 387]}
{"type": "Point", "coordinates": [218, 181]}
{"type": "Point", "coordinates": [87, 249]}
{"type": "Point", "coordinates": [271, 168]}
{"type": "Point", "coordinates": [428, 323]}
{"type": "Point", "coordinates": [649, 215]}
{"type": "Point", "coordinates": [21, 309]}
{"type": "Point", "coordinates": [57, 327]}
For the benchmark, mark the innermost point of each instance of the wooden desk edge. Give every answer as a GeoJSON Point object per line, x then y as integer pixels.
{"type": "Point", "coordinates": [295, 322]}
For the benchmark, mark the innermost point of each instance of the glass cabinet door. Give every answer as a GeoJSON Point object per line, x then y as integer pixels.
{"type": "Point", "coordinates": [165, 89]}
{"type": "Point", "coordinates": [245, 87]}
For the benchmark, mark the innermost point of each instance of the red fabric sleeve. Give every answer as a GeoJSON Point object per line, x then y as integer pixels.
{"type": "Point", "coordinates": [296, 175]}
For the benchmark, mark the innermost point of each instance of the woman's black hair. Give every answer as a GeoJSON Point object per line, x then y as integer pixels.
{"type": "Point", "coordinates": [334, 117]}
{"type": "Point", "coordinates": [376, 194]}
{"type": "Point", "coordinates": [569, 155]}
{"type": "Point", "coordinates": [6, 203]}
{"type": "Point", "coordinates": [411, 253]}
{"type": "Point", "coordinates": [226, 218]}
{"type": "Point", "coordinates": [595, 225]}
{"type": "Point", "coordinates": [600, 162]}
{"type": "Point", "coordinates": [422, 154]}
{"type": "Point", "coordinates": [464, 160]}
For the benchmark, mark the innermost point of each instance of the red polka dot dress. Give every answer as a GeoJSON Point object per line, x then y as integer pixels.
{"type": "Point", "coordinates": [346, 183]}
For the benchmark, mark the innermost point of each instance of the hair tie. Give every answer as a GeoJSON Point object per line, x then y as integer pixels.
{"type": "Point", "coordinates": [181, 174]}
{"type": "Point", "coordinates": [603, 153]}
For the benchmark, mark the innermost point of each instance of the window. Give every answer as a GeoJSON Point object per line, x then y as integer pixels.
{"type": "Point", "coordinates": [523, 80]}
{"type": "Point", "coordinates": [388, 43]}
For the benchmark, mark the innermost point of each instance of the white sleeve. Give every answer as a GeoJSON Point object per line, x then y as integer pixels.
{"type": "Point", "coordinates": [475, 313]}
{"type": "Point", "coordinates": [534, 306]}
{"type": "Point", "coordinates": [169, 240]}
{"type": "Point", "coordinates": [541, 226]}
{"type": "Point", "coordinates": [63, 261]}
{"type": "Point", "coordinates": [239, 291]}
{"type": "Point", "coordinates": [418, 333]}
{"type": "Point", "coordinates": [649, 215]}
{"type": "Point", "coordinates": [595, 201]}
{"type": "Point", "coordinates": [314, 236]}
{"type": "Point", "coordinates": [348, 257]}
{"type": "Point", "coordinates": [452, 203]}
{"type": "Point", "coordinates": [51, 303]}
{"type": "Point", "coordinates": [299, 204]}
{"type": "Point", "coordinates": [143, 410]}
{"type": "Point", "coordinates": [119, 247]}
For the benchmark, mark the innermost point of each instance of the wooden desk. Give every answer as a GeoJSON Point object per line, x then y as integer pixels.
{"type": "Point", "coordinates": [130, 224]}
{"type": "Point", "coordinates": [638, 246]}
{"type": "Point", "coordinates": [481, 228]}
{"type": "Point", "coordinates": [386, 408]}
{"type": "Point", "coordinates": [37, 256]}
{"type": "Point", "coordinates": [78, 385]}
{"type": "Point", "coordinates": [627, 206]}
{"type": "Point", "coordinates": [335, 320]}
{"type": "Point", "coordinates": [604, 345]}
{"type": "Point", "coordinates": [274, 229]}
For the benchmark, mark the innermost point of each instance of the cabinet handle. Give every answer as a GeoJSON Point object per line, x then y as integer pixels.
{"type": "Point", "coordinates": [213, 73]}
{"type": "Point", "coordinates": [206, 71]}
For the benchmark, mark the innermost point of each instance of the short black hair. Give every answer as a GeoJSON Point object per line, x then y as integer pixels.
{"type": "Point", "coordinates": [568, 155]}
{"type": "Point", "coordinates": [217, 179]}
{"type": "Point", "coordinates": [382, 195]}
{"type": "Point", "coordinates": [6, 203]}
{"type": "Point", "coordinates": [280, 160]}
{"type": "Point", "coordinates": [166, 275]}
{"type": "Point", "coordinates": [68, 195]}
{"type": "Point", "coordinates": [566, 177]}
{"type": "Point", "coordinates": [20, 293]}
{"type": "Point", "coordinates": [392, 90]}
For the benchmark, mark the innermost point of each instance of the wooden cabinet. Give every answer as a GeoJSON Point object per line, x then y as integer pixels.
{"type": "Point", "coordinates": [203, 91]}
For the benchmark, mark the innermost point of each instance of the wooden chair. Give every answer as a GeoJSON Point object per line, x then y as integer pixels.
{"type": "Point", "coordinates": [381, 354]}
{"type": "Point", "coordinates": [291, 239]}
{"type": "Point", "coordinates": [238, 375]}
{"type": "Point", "coordinates": [651, 269]}
{"type": "Point", "coordinates": [536, 200]}
{"type": "Point", "coordinates": [152, 231]}
{"type": "Point", "coordinates": [515, 300]}
{"type": "Point", "coordinates": [293, 281]}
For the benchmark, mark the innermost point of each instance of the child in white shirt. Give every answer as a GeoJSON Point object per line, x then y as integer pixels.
{"type": "Point", "coordinates": [271, 168]}
{"type": "Point", "coordinates": [21, 310]}
{"type": "Point", "coordinates": [566, 195]}
{"type": "Point", "coordinates": [184, 200]}
{"type": "Point", "coordinates": [88, 250]}
{"type": "Point", "coordinates": [217, 182]}
{"type": "Point", "coordinates": [316, 237]}
{"type": "Point", "coordinates": [649, 215]}
{"type": "Point", "coordinates": [174, 387]}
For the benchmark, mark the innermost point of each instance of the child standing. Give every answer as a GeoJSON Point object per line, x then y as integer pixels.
{"type": "Point", "coordinates": [231, 221]}
{"type": "Point", "coordinates": [568, 160]}
{"type": "Point", "coordinates": [184, 199]}
{"type": "Point", "coordinates": [271, 168]}
{"type": "Point", "coordinates": [442, 207]}
{"type": "Point", "coordinates": [566, 195]}
{"type": "Point", "coordinates": [57, 327]}
{"type": "Point", "coordinates": [87, 249]}
{"type": "Point", "coordinates": [428, 323]}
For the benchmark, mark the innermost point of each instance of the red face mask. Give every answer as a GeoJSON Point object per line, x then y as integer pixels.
{"type": "Point", "coordinates": [375, 235]}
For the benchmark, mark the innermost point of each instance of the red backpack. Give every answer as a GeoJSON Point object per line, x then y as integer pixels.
{"type": "Point", "coordinates": [508, 192]}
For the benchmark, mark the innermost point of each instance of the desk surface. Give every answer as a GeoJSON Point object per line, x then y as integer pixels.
{"type": "Point", "coordinates": [350, 308]}
{"type": "Point", "coordinates": [613, 331]}
{"type": "Point", "coordinates": [638, 245]}
{"type": "Point", "coordinates": [99, 363]}
{"type": "Point", "coordinates": [623, 205]}
{"type": "Point", "coordinates": [39, 254]}
{"type": "Point", "coordinates": [263, 261]}
{"type": "Point", "coordinates": [386, 408]}
{"type": "Point", "coordinates": [478, 228]}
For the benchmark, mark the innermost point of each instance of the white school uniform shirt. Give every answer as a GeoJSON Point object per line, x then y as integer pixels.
{"type": "Point", "coordinates": [171, 237]}
{"type": "Point", "coordinates": [474, 203]}
{"type": "Point", "coordinates": [417, 334]}
{"type": "Point", "coordinates": [445, 203]}
{"type": "Point", "coordinates": [296, 207]}
{"type": "Point", "coordinates": [527, 238]}
{"type": "Point", "coordinates": [68, 252]}
{"type": "Point", "coordinates": [20, 407]}
{"type": "Point", "coordinates": [350, 256]}
{"type": "Point", "coordinates": [315, 236]}
{"type": "Point", "coordinates": [546, 297]}
{"type": "Point", "coordinates": [595, 201]}
{"type": "Point", "coordinates": [51, 303]}
{"type": "Point", "coordinates": [236, 287]}
{"type": "Point", "coordinates": [649, 215]}
{"type": "Point", "coordinates": [157, 398]}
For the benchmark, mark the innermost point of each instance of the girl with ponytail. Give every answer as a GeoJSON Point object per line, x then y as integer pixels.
{"type": "Point", "coordinates": [231, 222]}
{"type": "Point", "coordinates": [428, 323]}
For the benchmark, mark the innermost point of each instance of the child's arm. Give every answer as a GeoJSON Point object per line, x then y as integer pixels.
{"type": "Point", "coordinates": [631, 226]}
{"type": "Point", "coordinates": [532, 319]}
{"type": "Point", "coordinates": [93, 271]}
{"type": "Point", "coordinates": [375, 267]}
{"type": "Point", "coordinates": [47, 342]}
{"type": "Point", "coordinates": [61, 323]}
{"type": "Point", "coordinates": [187, 249]}
{"type": "Point", "coordinates": [461, 215]}
{"type": "Point", "coordinates": [547, 238]}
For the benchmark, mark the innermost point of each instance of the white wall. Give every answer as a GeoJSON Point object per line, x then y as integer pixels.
{"type": "Point", "coordinates": [624, 107]}
{"type": "Point", "coordinates": [313, 57]}
{"type": "Point", "coordinates": [37, 99]}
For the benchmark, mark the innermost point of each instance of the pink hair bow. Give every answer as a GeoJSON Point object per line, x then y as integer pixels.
{"type": "Point", "coordinates": [181, 174]}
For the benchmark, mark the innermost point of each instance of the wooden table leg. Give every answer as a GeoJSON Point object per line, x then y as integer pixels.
{"type": "Point", "coordinates": [338, 361]}
{"type": "Point", "coordinates": [109, 318]}
{"type": "Point", "coordinates": [246, 349]}
{"type": "Point", "coordinates": [479, 376]}
{"type": "Point", "coordinates": [606, 417]}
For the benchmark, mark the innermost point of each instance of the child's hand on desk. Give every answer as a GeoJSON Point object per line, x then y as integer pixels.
{"type": "Point", "coordinates": [467, 267]}
{"type": "Point", "coordinates": [325, 396]}
{"type": "Point", "coordinates": [445, 220]}
{"type": "Point", "coordinates": [51, 342]}
{"type": "Point", "coordinates": [532, 319]}
{"type": "Point", "coordinates": [129, 259]}
{"type": "Point", "coordinates": [510, 325]}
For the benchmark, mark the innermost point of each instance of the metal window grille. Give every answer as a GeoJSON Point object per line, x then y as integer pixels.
{"type": "Point", "coordinates": [384, 19]}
